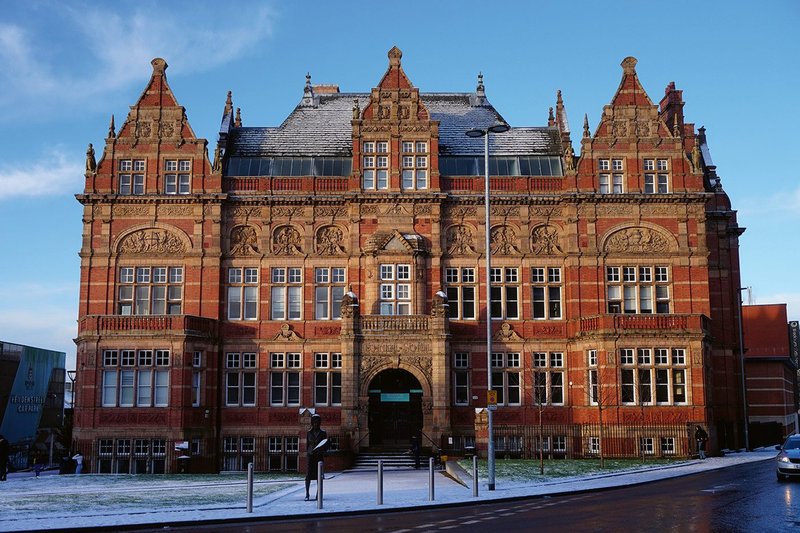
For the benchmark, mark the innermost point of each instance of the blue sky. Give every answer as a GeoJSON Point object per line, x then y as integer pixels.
{"type": "Point", "coordinates": [65, 67]}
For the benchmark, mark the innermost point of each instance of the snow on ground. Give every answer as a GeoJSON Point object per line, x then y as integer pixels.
{"type": "Point", "coordinates": [64, 501]}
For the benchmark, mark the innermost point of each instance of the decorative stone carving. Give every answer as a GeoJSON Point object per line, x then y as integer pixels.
{"type": "Point", "coordinates": [462, 211]}
{"type": "Point", "coordinates": [545, 211]}
{"type": "Point", "coordinates": [131, 210]}
{"type": "Point", "coordinates": [247, 212]}
{"type": "Point", "coordinates": [175, 210]}
{"type": "Point", "coordinates": [422, 209]}
{"type": "Point", "coordinates": [619, 128]}
{"type": "Point", "coordinates": [615, 209]}
{"type": "Point", "coordinates": [506, 334]}
{"type": "Point", "coordinates": [642, 128]}
{"type": "Point", "coordinates": [151, 241]}
{"type": "Point", "coordinates": [369, 363]}
{"type": "Point", "coordinates": [423, 363]}
{"type": "Point", "coordinates": [91, 163]}
{"type": "Point", "coordinates": [569, 157]}
{"type": "Point", "coordinates": [460, 240]}
{"type": "Point", "coordinates": [330, 211]}
{"type": "Point", "coordinates": [504, 211]}
{"type": "Point", "coordinates": [287, 334]}
{"type": "Point", "coordinates": [244, 241]}
{"type": "Point", "coordinates": [287, 211]}
{"type": "Point", "coordinates": [369, 209]}
{"type": "Point", "coordinates": [330, 241]}
{"type": "Point", "coordinates": [440, 305]}
{"type": "Point", "coordinates": [504, 241]}
{"type": "Point", "coordinates": [637, 240]}
{"type": "Point", "coordinates": [286, 241]}
{"type": "Point", "coordinates": [544, 241]}
{"type": "Point", "coordinates": [349, 304]}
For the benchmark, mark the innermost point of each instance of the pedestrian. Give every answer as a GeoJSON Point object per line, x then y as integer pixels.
{"type": "Point", "coordinates": [4, 451]}
{"type": "Point", "coordinates": [415, 451]}
{"type": "Point", "coordinates": [78, 458]}
{"type": "Point", "coordinates": [701, 437]}
{"type": "Point", "coordinates": [316, 444]}
{"type": "Point", "coordinates": [37, 465]}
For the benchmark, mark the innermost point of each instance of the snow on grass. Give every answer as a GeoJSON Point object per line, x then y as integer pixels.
{"type": "Point", "coordinates": [527, 470]}
{"type": "Point", "coordinates": [65, 495]}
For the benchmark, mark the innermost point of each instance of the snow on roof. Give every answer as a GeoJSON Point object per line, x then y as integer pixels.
{"type": "Point", "coordinates": [325, 130]}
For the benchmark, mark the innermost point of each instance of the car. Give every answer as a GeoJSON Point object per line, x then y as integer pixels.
{"type": "Point", "coordinates": [788, 460]}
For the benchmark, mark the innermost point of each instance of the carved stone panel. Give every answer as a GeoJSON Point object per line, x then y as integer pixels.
{"type": "Point", "coordinates": [545, 241]}
{"type": "Point", "coordinates": [504, 241]}
{"type": "Point", "coordinates": [151, 241]}
{"type": "Point", "coordinates": [131, 210]}
{"type": "Point", "coordinates": [286, 241]}
{"type": "Point", "coordinates": [637, 240]}
{"type": "Point", "coordinates": [330, 241]}
{"type": "Point", "coordinates": [244, 241]}
{"type": "Point", "coordinates": [460, 241]}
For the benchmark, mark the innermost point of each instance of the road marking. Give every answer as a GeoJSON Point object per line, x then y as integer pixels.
{"type": "Point", "coordinates": [471, 522]}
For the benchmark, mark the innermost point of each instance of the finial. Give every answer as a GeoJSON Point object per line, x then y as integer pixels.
{"type": "Point", "coordinates": [394, 57]}
{"type": "Point", "coordinates": [356, 109]}
{"type": "Point", "coordinates": [308, 81]}
{"type": "Point", "coordinates": [159, 66]}
{"type": "Point", "coordinates": [586, 133]}
{"type": "Point", "coordinates": [91, 163]}
{"type": "Point", "coordinates": [481, 90]}
{"type": "Point", "coordinates": [550, 118]}
{"type": "Point", "coordinates": [676, 129]}
{"type": "Point", "coordinates": [228, 103]}
{"type": "Point", "coordinates": [237, 122]}
{"type": "Point", "coordinates": [559, 101]}
{"type": "Point", "coordinates": [111, 130]}
{"type": "Point", "coordinates": [629, 65]}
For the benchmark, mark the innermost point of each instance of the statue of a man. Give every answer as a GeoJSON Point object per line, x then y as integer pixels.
{"type": "Point", "coordinates": [316, 444]}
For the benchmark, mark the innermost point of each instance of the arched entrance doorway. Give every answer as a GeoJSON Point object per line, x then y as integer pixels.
{"type": "Point", "coordinates": [395, 408]}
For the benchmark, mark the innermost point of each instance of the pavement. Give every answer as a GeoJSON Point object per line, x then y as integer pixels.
{"type": "Point", "coordinates": [357, 492]}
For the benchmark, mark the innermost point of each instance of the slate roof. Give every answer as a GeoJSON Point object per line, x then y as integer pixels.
{"type": "Point", "coordinates": [325, 130]}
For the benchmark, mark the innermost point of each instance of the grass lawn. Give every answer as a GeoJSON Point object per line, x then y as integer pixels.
{"type": "Point", "coordinates": [528, 469]}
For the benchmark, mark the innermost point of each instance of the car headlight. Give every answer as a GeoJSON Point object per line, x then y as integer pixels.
{"type": "Point", "coordinates": [783, 458]}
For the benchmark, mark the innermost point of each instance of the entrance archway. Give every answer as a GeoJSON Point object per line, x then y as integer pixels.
{"type": "Point", "coordinates": [395, 408]}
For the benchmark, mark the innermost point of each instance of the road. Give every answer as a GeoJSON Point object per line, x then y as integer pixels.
{"type": "Point", "coordinates": [743, 498]}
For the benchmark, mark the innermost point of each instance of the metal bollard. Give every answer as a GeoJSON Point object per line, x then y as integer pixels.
{"type": "Point", "coordinates": [431, 496]}
{"type": "Point", "coordinates": [380, 482]}
{"type": "Point", "coordinates": [320, 476]}
{"type": "Point", "coordinates": [249, 487]}
{"type": "Point", "coordinates": [474, 476]}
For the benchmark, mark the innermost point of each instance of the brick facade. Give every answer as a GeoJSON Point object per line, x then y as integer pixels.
{"type": "Point", "coordinates": [185, 256]}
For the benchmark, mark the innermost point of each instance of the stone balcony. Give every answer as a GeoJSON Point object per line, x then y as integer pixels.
{"type": "Point", "coordinates": [138, 325]}
{"type": "Point", "coordinates": [696, 324]}
{"type": "Point", "coordinates": [399, 323]}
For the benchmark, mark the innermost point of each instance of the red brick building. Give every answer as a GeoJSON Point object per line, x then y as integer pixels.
{"type": "Point", "coordinates": [334, 263]}
{"type": "Point", "coordinates": [771, 372]}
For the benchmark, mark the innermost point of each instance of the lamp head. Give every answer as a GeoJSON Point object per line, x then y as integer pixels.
{"type": "Point", "coordinates": [475, 133]}
{"type": "Point", "coordinates": [500, 127]}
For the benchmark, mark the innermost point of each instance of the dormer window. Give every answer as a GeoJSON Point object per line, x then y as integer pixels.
{"type": "Point", "coordinates": [415, 165]}
{"type": "Point", "coordinates": [611, 176]}
{"type": "Point", "coordinates": [131, 176]}
{"type": "Point", "coordinates": [177, 176]}
{"type": "Point", "coordinates": [656, 177]}
{"type": "Point", "coordinates": [375, 166]}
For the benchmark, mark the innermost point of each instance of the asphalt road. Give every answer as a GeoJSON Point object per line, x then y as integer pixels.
{"type": "Point", "coordinates": [743, 498]}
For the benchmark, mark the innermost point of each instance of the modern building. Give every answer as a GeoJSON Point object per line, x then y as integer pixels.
{"type": "Point", "coordinates": [334, 264]}
{"type": "Point", "coordinates": [31, 403]}
{"type": "Point", "coordinates": [771, 365]}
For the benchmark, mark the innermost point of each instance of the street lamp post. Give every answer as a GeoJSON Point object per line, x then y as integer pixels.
{"type": "Point", "coordinates": [71, 374]}
{"type": "Point", "coordinates": [741, 372]}
{"type": "Point", "coordinates": [499, 127]}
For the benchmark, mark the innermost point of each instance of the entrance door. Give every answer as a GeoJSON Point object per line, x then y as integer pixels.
{"type": "Point", "coordinates": [395, 408]}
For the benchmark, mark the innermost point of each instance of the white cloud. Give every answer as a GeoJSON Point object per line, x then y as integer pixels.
{"type": "Point", "coordinates": [114, 47]}
{"type": "Point", "coordinates": [56, 173]}
{"type": "Point", "coordinates": [779, 203]}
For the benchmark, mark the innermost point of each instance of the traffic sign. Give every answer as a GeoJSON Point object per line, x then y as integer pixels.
{"type": "Point", "coordinates": [491, 397]}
